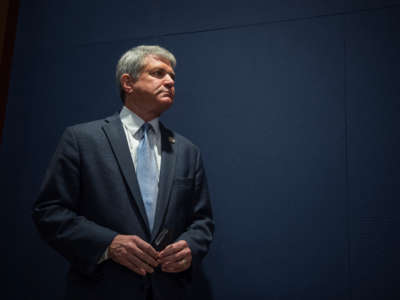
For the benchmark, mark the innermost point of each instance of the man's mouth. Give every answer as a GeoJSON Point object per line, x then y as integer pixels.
{"type": "Point", "coordinates": [165, 93]}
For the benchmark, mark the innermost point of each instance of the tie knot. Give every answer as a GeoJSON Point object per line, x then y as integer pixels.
{"type": "Point", "coordinates": [145, 129]}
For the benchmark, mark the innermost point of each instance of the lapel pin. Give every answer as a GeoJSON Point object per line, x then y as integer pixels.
{"type": "Point", "coordinates": [171, 140]}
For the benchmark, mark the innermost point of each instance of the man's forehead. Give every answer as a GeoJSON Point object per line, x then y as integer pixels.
{"type": "Point", "coordinates": [156, 60]}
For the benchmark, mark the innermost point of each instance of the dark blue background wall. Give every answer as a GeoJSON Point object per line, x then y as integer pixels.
{"type": "Point", "coordinates": [295, 104]}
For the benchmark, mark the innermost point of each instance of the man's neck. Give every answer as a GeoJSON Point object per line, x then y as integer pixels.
{"type": "Point", "coordinates": [144, 115]}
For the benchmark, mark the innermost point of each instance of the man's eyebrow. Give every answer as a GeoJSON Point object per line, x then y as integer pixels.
{"type": "Point", "coordinates": [157, 68]}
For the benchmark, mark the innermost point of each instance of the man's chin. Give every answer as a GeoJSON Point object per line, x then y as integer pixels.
{"type": "Point", "coordinates": [165, 103]}
{"type": "Point", "coordinates": [166, 100]}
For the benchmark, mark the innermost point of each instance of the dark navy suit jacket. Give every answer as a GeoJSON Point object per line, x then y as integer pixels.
{"type": "Point", "coordinates": [90, 194]}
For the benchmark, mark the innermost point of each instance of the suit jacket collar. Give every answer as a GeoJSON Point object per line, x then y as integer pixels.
{"type": "Point", "coordinates": [115, 133]}
{"type": "Point", "coordinates": [116, 136]}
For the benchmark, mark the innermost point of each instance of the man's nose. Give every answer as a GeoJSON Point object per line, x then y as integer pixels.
{"type": "Point", "coordinates": [169, 81]}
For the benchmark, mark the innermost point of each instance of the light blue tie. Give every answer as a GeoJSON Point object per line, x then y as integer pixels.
{"type": "Point", "coordinates": [147, 173]}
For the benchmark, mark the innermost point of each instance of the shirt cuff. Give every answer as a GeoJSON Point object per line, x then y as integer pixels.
{"type": "Point", "coordinates": [103, 257]}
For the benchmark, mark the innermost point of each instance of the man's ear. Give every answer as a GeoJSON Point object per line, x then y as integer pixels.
{"type": "Point", "coordinates": [126, 81]}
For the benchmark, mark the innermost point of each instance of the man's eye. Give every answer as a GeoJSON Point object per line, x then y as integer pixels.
{"type": "Point", "coordinates": [158, 73]}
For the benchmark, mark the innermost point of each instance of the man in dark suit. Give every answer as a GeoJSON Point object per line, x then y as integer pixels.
{"type": "Point", "coordinates": [125, 200]}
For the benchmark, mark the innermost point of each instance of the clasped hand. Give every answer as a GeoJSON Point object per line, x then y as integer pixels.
{"type": "Point", "coordinates": [140, 257]}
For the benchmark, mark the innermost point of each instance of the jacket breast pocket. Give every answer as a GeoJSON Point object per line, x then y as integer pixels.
{"type": "Point", "coordinates": [184, 182]}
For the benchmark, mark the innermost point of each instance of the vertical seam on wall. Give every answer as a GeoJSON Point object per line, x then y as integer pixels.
{"type": "Point", "coordinates": [346, 153]}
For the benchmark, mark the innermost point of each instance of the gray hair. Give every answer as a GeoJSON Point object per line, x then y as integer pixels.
{"type": "Point", "coordinates": [132, 62]}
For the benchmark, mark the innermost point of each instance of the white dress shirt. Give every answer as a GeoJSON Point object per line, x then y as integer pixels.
{"type": "Point", "coordinates": [132, 123]}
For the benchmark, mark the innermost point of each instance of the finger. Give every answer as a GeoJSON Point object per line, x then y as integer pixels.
{"type": "Point", "coordinates": [147, 248]}
{"type": "Point", "coordinates": [173, 248]}
{"type": "Point", "coordinates": [143, 256]}
{"type": "Point", "coordinates": [171, 270]}
{"type": "Point", "coordinates": [133, 267]}
{"type": "Point", "coordinates": [186, 261]}
{"type": "Point", "coordinates": [138, 263]}
{"type": "Point", "coordinates": [184, 253]}
{"type": "Point", "coordinates": [175, 267]}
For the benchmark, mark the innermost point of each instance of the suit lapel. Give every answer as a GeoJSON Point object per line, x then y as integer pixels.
{"type": "Point", "coordinates": [168, 159]}
{"type": "Point", "coordinates": [116, 136]}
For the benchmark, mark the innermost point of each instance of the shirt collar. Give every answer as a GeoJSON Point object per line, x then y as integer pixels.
{"type": "Point", "coordinates": [133, 122]}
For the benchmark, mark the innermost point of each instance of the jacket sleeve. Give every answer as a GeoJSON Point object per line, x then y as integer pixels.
{"type": "Point", "coordinates": [55, 212]}
{"type": "Point", "coordinates": [201, 230]}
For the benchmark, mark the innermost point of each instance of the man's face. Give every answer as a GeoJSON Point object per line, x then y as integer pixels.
{"type": "Point", "coordinates": [154, 89]}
